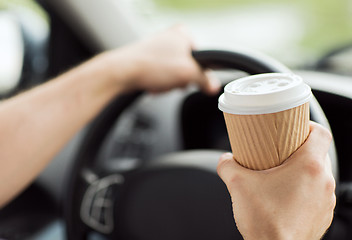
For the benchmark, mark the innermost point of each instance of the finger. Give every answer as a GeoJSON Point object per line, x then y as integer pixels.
{"type": "Point", "coordinates": [319, 140]}
{"type": "Point", "coordinates": [180, 28]}
{"type": "Point", "coordinates": [328, 164]}
{"type": "Point", "coordinates": [316, 146]}
{"type": "Point", "coordinates": [209, 83]}
{"type": "Point", "coordinates": [183, 31]}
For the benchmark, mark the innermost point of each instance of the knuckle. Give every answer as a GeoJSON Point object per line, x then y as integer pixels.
{"type": "Point", "coordinates": [324, 133]}
{"type": "Point", "coordinates": [235, 180]}
{"type": "Point", "coordinates": [222, 165]}
{"type": "Point", "coordinates": [219, 168]}
{"type": "Point", "coordinates": [231, 178]}
{"type": "Point", "coordinates": [330, 185]}
{"type": "Point", "coordinates": [331, 203]}
{"type": "Point", "coordinates": [313, 167]}
{"type": "Point", "coordinates": [327, 134]}
{"type": "Point", "coordinates": [186, 72]}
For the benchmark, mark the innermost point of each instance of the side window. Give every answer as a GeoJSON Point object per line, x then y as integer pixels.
{"type": "Point", "coordinates": [24, 34]}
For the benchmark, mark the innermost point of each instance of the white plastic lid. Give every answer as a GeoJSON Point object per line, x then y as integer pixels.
{"type": "Point", "coordinates": [264, 93]}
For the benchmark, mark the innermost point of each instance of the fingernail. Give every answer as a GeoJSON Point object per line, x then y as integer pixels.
{"type": "Point", "coordinates": [226, 156]}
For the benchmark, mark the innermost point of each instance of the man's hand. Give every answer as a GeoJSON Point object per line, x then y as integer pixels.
{"type": "Point", "coordinates": [295, 200]}
{"type": "Point", "coordinates": [160, 63]}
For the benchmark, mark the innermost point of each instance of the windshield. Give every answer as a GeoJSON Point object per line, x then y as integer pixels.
{"type": "Point", "coordinates": [295, 32]}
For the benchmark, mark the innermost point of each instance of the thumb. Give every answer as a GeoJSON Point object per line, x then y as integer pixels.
{"type": "Point", "coordinates": [229, 170]}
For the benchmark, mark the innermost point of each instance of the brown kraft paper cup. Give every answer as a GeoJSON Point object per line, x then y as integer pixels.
{"type": "Point", "coordinates": [266, 124]}
{"type": "Point", "coordinates": [264, 141]}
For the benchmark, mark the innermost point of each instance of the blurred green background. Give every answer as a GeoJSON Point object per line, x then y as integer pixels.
{"type": "Point", "coordinates": [327, 23]}
{"type": "Point", "coordinates": [314, 27]}
{"type": "Point", "coordinates": [30, 4]}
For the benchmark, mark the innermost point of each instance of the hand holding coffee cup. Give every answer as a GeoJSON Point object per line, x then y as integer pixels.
{"type": "Point", "coordinates": [267, 118]}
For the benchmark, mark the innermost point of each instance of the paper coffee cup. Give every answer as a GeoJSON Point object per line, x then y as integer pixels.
{"type": "Point", "coordinates": [267, 118]}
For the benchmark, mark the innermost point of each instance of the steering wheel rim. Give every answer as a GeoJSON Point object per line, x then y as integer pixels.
{"type": "Point", "coordinates": [99, 128]}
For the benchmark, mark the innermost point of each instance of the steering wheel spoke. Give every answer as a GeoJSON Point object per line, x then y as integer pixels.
{"type": "Point", "coordinates": [97, 206]}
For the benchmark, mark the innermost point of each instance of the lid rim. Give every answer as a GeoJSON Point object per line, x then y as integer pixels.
{"type": "Point", "coordinates": [273, 100]}
{"type": "Point", "coordinates": [262, 110]}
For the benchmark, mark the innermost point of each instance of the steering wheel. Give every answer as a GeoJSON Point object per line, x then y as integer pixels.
{"type": "Point", "coordinates": [178, 196]}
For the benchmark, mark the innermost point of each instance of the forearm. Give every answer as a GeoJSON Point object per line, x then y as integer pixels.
{"type": "Point", "coordinates": [35, 125]}
{"type": "Point", "coordinates": [38, 123]}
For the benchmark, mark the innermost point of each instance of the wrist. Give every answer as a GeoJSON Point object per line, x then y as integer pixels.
{"type": "Point", "coordinates": [122, 68]}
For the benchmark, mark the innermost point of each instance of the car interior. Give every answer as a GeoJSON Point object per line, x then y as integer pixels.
{"type": "Point", "coordinates": [145, 167]}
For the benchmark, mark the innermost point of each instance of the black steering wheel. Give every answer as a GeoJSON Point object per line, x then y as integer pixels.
{"type": "Point", "coordinates": [178, 196]}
